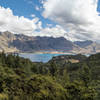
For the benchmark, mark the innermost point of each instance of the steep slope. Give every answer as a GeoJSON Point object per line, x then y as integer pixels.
{"type": "Point", "coordinates": [88, 46]}
{"type": "Point", "coordinates": [83, 44]}
{"type": "Point", "coordinates": [43, 44]}
{"type": "Point", "coordinates": [94, 47]}
{"type": "Point", "coordinates": [20, 43]}
{"type": "Point", "coordinates": [5, 39]}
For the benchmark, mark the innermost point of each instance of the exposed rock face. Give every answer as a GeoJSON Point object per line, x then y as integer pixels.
{"type": "Point", "coordinates": [14, 42]}
{"type": "Point", "coordinates": [20, 43]}
{"type": "Point", "coordinates": [5, 40]}
{"type": "Point", "coordinates": [88, 46]}
{"type": "Point", "coordinates": [43, 44]}
{"type": "Point", "coordinates": [83, 44]}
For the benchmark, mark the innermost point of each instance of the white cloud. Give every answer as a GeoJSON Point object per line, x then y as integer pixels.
{"type": "Point", "coordinates": [29, 2]}
{"type": "Point", "coordinates": [37, 8]}
{"type": "Point", "coordinates": [49, 25]}
{"type": "Point", "coordinates": [77, 20]}
{"type": "Point", "coordinates": [22, 25]}
{"type": "Point", "coordinates": [56, 31]}
{"type": "Point", "coordinates": [32, 15]}
{"type": "Point", "coordinates": [16, 24]}
{"type": "Point", "coordinates": [79, 17]}
{"type": "Point", "coordinates": [39, 25]}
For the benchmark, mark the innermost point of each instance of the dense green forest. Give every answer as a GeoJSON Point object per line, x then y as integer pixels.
{"type": "Point", "coordinates": [67, 78]}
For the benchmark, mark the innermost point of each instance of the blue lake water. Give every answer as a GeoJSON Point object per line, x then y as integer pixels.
{"type": "Point", "coordinates": [39, 57]}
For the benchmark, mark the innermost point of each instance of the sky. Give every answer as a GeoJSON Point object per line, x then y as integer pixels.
{"type": "Point", "coordinates": [72, 19]}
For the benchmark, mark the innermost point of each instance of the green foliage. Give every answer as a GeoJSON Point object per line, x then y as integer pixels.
{"type": "Point", "coordinates": [59, 79]}
{"type": "Point", "coordinates": [85, 74]}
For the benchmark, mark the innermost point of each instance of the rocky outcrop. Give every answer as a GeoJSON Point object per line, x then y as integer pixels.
{"type": "Point", "coordinates": [20, 43]}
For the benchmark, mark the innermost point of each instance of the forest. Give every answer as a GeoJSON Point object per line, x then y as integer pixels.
{"type": "Point", "coordinates": [74, 77]}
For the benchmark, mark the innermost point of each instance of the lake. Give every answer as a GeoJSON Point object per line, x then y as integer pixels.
{"type": "Point", "coordinates": [39, 57]}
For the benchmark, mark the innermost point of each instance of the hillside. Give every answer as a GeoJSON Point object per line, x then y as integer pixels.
{"type": "Point", "coordinates": [20, 43]}
{"type": "Point", "coordinates": [88, 47]}
{"type": "Point", "coordinates": [43, 44]}
{"type": "Point", "coordinates": [83, 44]}
{"type": "Point", "coordinates": [5, 39]}
{"type": "Point", "coordinates": [21, 79]}
{"type": "Point", "coordinates": [24, 43]}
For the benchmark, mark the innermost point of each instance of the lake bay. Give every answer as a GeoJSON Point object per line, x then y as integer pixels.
{"type": "Point", "coordinates": [39, 57]}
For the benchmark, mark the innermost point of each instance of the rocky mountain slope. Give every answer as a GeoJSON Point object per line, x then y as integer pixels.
{"type": "Point", "coordinates": [5, 39]}
{"type": "Point", "coordinates": [88, 46]}
{"type": "Point", "coordinates": [20, 43]}
{"type": "Point", "coordinates": [43, 44]}
{"type": "Point", "coordinates": [83, 44]}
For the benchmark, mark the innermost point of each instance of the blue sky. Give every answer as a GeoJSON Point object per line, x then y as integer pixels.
{"type": "Point", "coordinates": [99, 5]}
{"type": "Point", "coordinates": [25, 8]}
{"type": "Point", "coordinates": [56, 13]}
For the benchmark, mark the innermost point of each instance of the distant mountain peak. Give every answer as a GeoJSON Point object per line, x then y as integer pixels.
{"type": "Point", "coordinates": [83, 44]}
{"type": "Point", "coordinates": [18, 42]}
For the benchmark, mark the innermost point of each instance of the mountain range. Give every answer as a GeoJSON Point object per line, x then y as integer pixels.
{"type": "Point", "coordinates": [21, 43]}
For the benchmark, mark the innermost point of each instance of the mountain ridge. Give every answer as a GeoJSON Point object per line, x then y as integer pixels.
{"type": "Point", "coordinates": [10, 42]}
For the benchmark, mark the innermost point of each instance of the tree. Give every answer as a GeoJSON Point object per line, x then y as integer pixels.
{"type": "Point", "coordinates": [85, 74]}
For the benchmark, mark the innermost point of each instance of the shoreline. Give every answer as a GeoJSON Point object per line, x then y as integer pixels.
{"type": "Point", "coordinates": [46, 53]}
{"type": "Point", "coordinates": [49, 52]}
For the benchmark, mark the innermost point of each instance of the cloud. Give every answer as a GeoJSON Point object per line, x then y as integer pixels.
{"type": "Point", "coordinates": [16, 24]}
{"type": "Point", "coordinates": [76, 20]}
{"type": "Point", "coordinates": [30, 2]}
{"type": "Point", "coordinates": [37, 8]}
{"type": "Point", "coordinates": [33, 15]}
{"type": "Point", "coordinates": [56, 31]}
{"type": "Point", "coordinates": [78, 17]}
{"type": "Point", "coordinates": [22, 25]}
{"type": "Point", "coordinates": [39, 25]}
{"type": "Point", "coordinates": [49, 25]}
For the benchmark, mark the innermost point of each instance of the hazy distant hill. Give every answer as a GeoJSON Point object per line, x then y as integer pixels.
{"type": "Point", "coordinates": [5, 39]}
{"type": "Point", "coordinates": [20, 43]}
{"type": "Point", "coordinates": [88, 46]}
{"type": "Point", "coordinates": [83, 44]}
{"type": "Point", "coordinates": [43, 44]}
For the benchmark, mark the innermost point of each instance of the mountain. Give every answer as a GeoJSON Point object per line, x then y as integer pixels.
{"type": "Point", "coordinates": [5, 39]}
{"type": "Point", "coordinates": [88, 46]}
{"type": "Point", "coordinates": [83, 44]}
{"type": "Point", "coordinates": [31, 44]}
{"type": "Point", "coordinates": [21, 43]}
